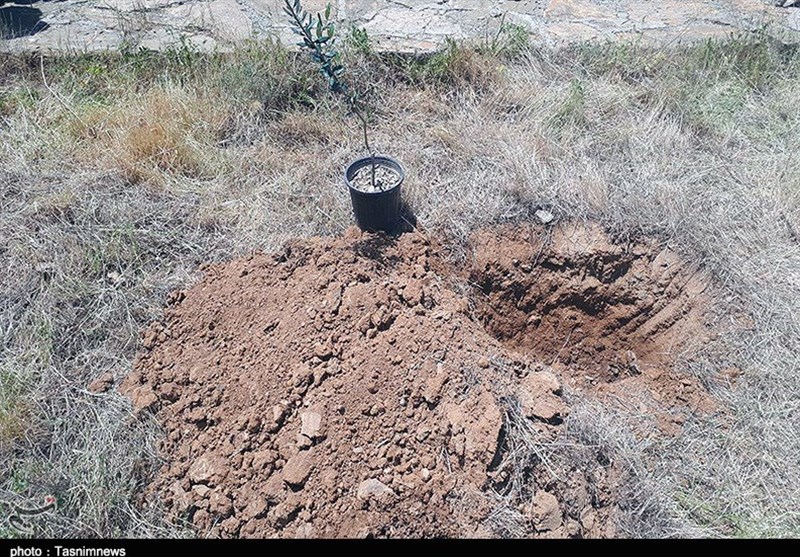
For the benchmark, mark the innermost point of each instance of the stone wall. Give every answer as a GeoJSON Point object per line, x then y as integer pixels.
{"type": "Point", "coordinates": [402, 25]}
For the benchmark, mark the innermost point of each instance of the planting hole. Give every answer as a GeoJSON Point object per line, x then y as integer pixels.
{"type": "Point", "coordinates": [572, 297]}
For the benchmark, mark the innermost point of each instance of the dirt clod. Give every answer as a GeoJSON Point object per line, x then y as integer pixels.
{"type": "Point", "coordinates": [102, 384]}
{"type": "Point", "coordinates": [298, 469]}
{"type": "Point", "coordinates": [545, 512]}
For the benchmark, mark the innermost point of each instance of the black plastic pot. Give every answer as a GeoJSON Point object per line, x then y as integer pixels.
{"type": "Point", "coordinates": [375, 210]}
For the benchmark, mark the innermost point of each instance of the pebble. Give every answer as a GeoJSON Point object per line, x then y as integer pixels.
{"type": "Point", "coordinates": [311, 424]}
{"type": "Point", "coordinates": [544, 216]}
{"type": "Point", "coordinates": [373, 488]}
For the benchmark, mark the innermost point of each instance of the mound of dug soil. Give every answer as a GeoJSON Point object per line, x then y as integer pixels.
{"type": "Point", "coordinates": [349, 387]}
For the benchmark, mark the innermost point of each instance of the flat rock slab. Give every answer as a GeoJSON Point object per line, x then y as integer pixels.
{"type": "Point", "coordinates": [398, 25]}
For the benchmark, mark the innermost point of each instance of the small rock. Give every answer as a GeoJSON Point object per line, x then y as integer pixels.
{"type": "Point", "coordinates": [383, 318]}
{"type": "Point", "coordinates": [248, 529]}
{"type": "Point", "coordinates": [545, 512]}
{"type": "Point", "coordinates": [230, 525]}
{"type": "Point", "coordinates": [311, 424]}
{"type": "Point", "coordinates": [219, 504]}
{"type": "Point", "coordinates": [544, 216]}
{"type": "Point", "coordinates": [302, 375]}
{"type": "Point", "coordinates": [432, 392]}
{"type": "Point", "coordinates": [279, 412]}
{"type": "Point", "coordinates": [373, 488]}
{"type": "Point", "coordinates": [149, 338]}
{"type": "Point", "coordinates": [253, 424]}
{"type": "Point", "coordinates": [323, 350]}
{"type": "Point", "coordinates": [539, 382]}
{"type": "Point", "coordinates": [208, 469]}
{"type": "Point", "coordinates": [255, 508]}
{"type": "Point", "coordinates": [201, 519]}
{"type": "Point", "coordinates": [413, 293]}
{"type": "Point", "coordinates": [422, 433]}
{"type": "Point", "coordinates": [303, 442]}
{"type": "Point", "coordinates": [274, 488]}
{"type": "Point", "coordinates": [320, 373]}
{"type": "Point", "coordinates": [298, 469]}
{"type": "Point", "coordinates": [170, 391]}
{"type": "Point", "coordinates": [181, 500]}
{"type": "Point", "coordinates": [305, 531]}
{"type": "Point", "coordinates": [364, 323]}
{"type": "Point", "coordinates": [544, 407]}
{"type": "Point", "coordinates": [588, 518]}
{"type": "Point", "coordinates": [264, 460]}
{"type": "Point", "coordinates": [201, 491]}
{"type": "Point", "coordinates": [483, 362]}
{"type": "Point", "coordinates": [333, 297]}
{"type": "Point", "coordinates": [284, 511]}
{"type": "Point", "coordinates": [176, 297]}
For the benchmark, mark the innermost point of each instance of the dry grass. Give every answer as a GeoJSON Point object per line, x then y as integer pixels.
{"type": "Point", "coordinates": [145, 165]}
{"type": "Point", "coordinates": [168, 131]}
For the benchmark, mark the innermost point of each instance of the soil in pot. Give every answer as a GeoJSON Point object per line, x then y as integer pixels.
{"type": "Point", "coordinates": [385, 178]}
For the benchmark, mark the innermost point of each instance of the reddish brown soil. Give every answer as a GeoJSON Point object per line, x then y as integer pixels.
{"type": "Point", "coordinates": [610, 317]}
{"type": "Point", "coordinates": [349, 386]}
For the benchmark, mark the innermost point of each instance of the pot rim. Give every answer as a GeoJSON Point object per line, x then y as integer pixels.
{"type": "Point", "coordinates": [384, 160]}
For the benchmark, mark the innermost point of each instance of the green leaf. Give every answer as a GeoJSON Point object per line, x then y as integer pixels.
{"type": "Point", "coordinates": [328, 11]}
{"type": "Point", "coordinates": [319, 25]}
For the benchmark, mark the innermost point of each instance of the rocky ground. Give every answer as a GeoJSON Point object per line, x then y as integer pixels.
{"type": "Point", "coordinates": [368, 386]}
{"type": "Point", "coordinates": [411, 25]}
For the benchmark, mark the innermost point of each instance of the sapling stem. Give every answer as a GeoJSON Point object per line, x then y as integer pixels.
{"type": "Point", "coordinates": [321, 47]}
{"type": "Point", "coordinates": [357, 111]}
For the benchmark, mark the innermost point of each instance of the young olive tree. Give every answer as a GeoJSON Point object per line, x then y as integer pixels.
{"type": "Point", "coordinates": [319, 38]}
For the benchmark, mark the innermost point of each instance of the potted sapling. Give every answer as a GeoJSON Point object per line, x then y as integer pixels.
{"type": "Point", "coordinates": [373, 180]}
